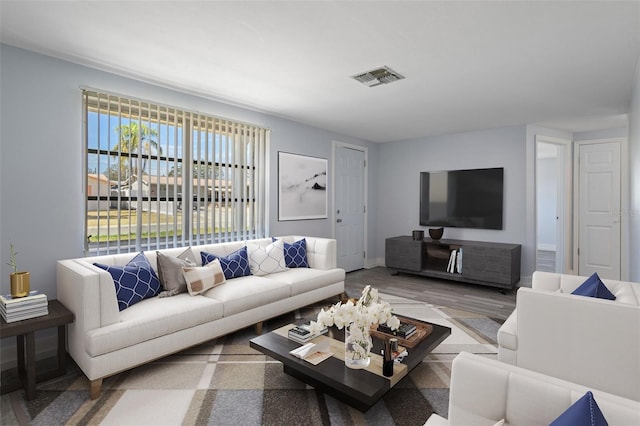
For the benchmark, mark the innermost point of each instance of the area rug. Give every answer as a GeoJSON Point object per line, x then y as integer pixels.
{"type": "Point", "coordinates": [225, 382]}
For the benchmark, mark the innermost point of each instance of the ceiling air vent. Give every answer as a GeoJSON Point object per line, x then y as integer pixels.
{"type": "Point", "coordinates": [378, 76]}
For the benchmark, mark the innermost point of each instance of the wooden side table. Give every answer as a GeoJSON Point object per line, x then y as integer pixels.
{"type": "Point", "coordinates": [58, 316]}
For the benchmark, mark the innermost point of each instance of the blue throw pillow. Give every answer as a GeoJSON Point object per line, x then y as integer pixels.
{"type": "Point", "coordinates": [233, 265]}
{"type": "Point", "coordinates": [584, 411]}
{"type": "Point", "coordinates": [593, 287]}
{"type": "Point", "coordinates": [134, 282]}
{"type": "Point", "coordinates": [295, 255]}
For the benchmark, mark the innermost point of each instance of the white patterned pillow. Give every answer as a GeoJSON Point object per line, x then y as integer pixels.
{"type": "Point", "coordinates": [266, 260]}
{"type": "Point", "coordinates": [202, 278]}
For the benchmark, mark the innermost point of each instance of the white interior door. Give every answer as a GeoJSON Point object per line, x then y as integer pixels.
{"type": "Point", "coordinates": [350, 207]}
{"type": "Point", "coordinates": [599, 209]}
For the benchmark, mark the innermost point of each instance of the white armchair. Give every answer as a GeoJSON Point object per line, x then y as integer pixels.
{"type": "Point", "coordinates": [484, 391]}
{"type": "Point", "coordinates": [594, 342]}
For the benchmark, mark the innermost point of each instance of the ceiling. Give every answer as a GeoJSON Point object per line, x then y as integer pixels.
{"type": "Point", "coordinates": [467, 65]}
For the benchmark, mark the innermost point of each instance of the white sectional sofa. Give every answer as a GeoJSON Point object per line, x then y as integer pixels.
{"type": "Point", "coordinates": [586, 340]}
{"type": "Point", "coordinates": [104, 340]}
{"type": "Point", "coordinates": [485, 391]}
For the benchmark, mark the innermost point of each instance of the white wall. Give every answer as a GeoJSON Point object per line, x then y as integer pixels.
{"type": "Point", "coordinates": [634, 174]}
{"type": "Point", "coordinates": [398, 181]}
{"type": "Point", "coordinates": [41, 182]}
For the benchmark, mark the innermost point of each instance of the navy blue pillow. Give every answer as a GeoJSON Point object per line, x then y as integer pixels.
{"type": "Point", "coordinates": [584, 411]}
{"type": "Point", "coordinates": [593, 287]}
{"type": "Point", "coordinates": [233, 265]}
{"type": "Point", "coordinates": [134, 282]}
{"type": "Point", "coordinates": [295, 255]}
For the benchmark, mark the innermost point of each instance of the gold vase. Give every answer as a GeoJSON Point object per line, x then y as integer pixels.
{"type": "Point", "coordinates": [19, 284]}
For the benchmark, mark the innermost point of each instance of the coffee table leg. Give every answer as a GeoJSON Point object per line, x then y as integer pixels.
{"type": "Point", "coordinates": [31, 366]}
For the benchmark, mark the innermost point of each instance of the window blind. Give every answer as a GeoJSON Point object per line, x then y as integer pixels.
{"type": "Point", "coordinates": [158, 176]}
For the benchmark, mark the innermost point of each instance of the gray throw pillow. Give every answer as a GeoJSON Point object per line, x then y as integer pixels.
{"type": "Point", "coordinates": [170, 272]}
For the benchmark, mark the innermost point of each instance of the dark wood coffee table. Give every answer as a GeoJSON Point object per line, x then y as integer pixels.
{"type": "Point", "coordinates": [359, 388]}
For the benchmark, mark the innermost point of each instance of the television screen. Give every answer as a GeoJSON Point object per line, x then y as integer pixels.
{"type": "Point", "coordinates": [462, 198]}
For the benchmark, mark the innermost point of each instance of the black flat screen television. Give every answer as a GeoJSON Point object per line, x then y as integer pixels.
{"type": "Point", "coordinates": [462, 198]}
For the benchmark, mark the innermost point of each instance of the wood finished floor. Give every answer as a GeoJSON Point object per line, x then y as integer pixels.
{"type": "Point", "coordinates": [469, 297]}
{"type": "Point", "coordinates": [546, 261]}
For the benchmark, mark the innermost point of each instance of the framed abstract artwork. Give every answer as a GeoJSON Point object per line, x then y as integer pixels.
{"type": "Point", "coordinates": [302, 187]}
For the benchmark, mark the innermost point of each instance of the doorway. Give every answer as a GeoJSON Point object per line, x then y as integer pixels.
{"type": "Point", "coordinates": [350, 205]}
{"type": "Point", "coordinates": [599, 207]}
{"type": "Point", "coordinates": [553, 204]}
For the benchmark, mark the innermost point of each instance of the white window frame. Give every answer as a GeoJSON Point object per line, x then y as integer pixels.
{"type": "Point", "coordinates": [140, 166]}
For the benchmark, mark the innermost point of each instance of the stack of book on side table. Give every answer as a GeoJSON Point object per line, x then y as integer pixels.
{"type": "Point", "coordinates": [33, 305]}
{"type": "Point", "coordinates": [302, 333]}
{"type": "Point", "coordinates": [405, 330]}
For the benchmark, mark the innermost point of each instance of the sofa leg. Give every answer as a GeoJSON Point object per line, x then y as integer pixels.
{"type": "Point", "coordinates": [95, 388]}
{"type": "Point", "coordinates": [258, 328]}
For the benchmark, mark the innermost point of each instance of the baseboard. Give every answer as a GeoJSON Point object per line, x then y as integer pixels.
{"type": "Point", "coordinates": [378, 262]}
{"type": "Point", "coordinates": [525, 281]}
{"type": "Point", "coordinates": [373, 263]}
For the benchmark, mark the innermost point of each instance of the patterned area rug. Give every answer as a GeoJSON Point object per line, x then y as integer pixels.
{"type": "Point", "coordinates": [225, 382]}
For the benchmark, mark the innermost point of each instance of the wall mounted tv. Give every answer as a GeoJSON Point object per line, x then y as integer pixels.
{"type": "Point", "coordinates": [462, 198]}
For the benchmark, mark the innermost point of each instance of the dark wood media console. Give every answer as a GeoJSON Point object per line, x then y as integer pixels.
{"type": "Point", "coordinates": [490, 264]}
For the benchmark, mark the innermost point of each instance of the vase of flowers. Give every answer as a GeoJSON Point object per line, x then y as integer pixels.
{"type": "Point", "coordinates": [357, 318]}
{"type": "Point", "coordinates": [357, 346]}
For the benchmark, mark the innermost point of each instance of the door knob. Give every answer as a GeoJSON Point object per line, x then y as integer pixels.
{"type": "Point", "coordinates": [339, 220]}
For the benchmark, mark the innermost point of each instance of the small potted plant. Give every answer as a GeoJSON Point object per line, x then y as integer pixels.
{"type": "Point", "coordinates": [19, 280]}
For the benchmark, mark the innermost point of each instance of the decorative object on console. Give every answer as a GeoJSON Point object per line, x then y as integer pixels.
{"type": "Point", "coordinates": [455, 261]}
{"type": "Point", "coordinates": [20, 281]}
{"type": "Point", "coordinates": [594, 287]}
{"type": "Point", "coordinates": [435, 233]}
{"type": "Point", "coordinates": [418, 235]}
{"type": "Point", "coordinates": [302, 187]}
{"type": "Point", "coordinates": [357, 319]}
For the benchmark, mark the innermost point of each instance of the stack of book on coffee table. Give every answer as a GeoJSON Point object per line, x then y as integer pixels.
{"type": "Point", "coordinates": [302, 333]}
{"type": "Point", "coordinates": [33, 305]}
{"type": "Point", "coordinates": [405, 330]}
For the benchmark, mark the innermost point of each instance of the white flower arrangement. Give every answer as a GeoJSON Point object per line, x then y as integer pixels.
{"type": "Point", "coordinates": [369, 309]}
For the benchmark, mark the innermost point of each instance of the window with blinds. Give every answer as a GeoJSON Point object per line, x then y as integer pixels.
{"type": "Point", "coordinates": [159, 177]}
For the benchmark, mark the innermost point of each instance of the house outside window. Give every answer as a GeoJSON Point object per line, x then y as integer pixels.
{"type": "Point", "coordinates": [157, 176]}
